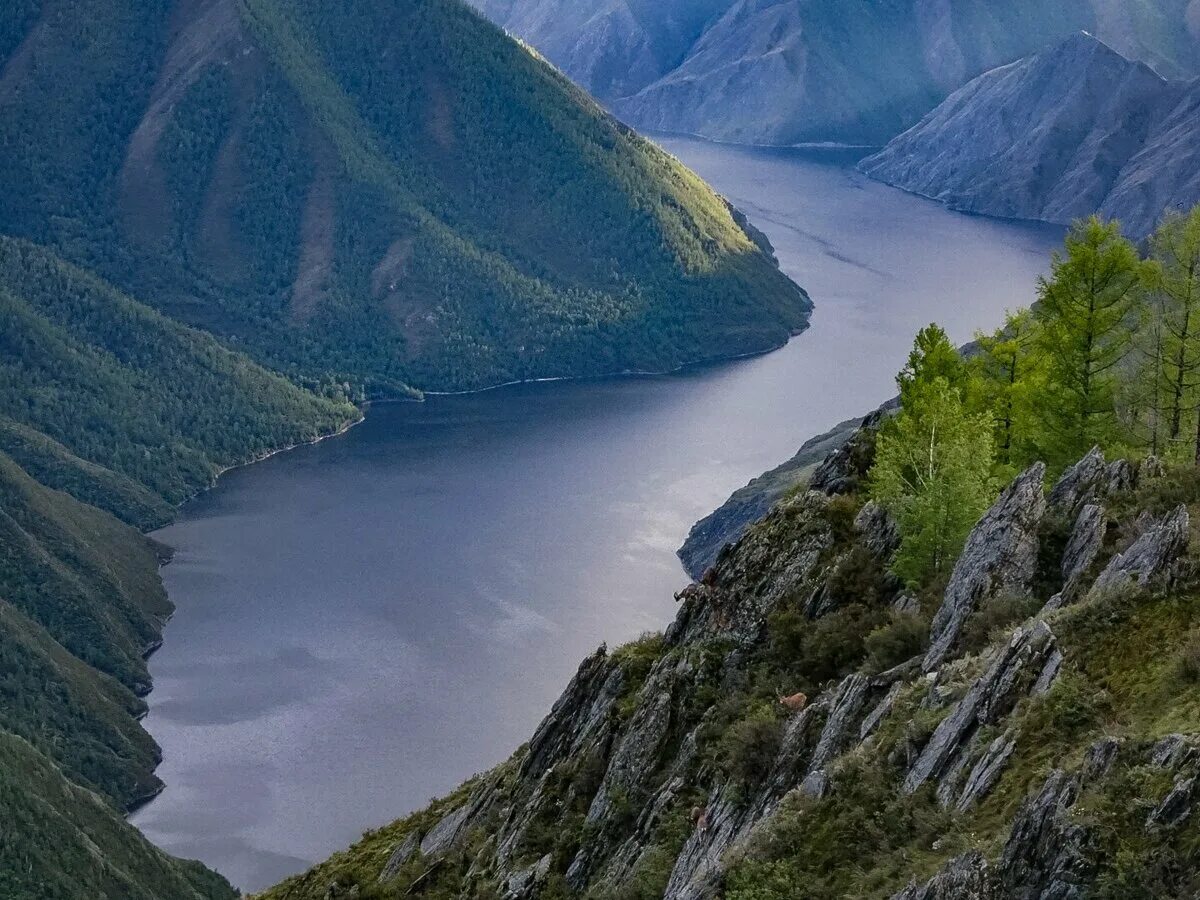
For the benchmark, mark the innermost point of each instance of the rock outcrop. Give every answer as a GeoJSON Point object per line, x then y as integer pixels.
{"type": "Point", "coordinates": [1000, 557]}
{"type": "Point", "coordinates": [1014, 671]}
{"type": "Point", "coordinates": [1151, 556]}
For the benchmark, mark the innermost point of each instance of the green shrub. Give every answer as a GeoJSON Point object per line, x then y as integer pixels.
{"type": "Point", "coordinates": [995, 617]}
{"type": "Point", "coordinates": [900, 639]}
{"type": "Point", "coordinates": [749, 746]}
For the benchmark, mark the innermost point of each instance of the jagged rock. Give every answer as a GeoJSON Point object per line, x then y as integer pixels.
{"type": "Point", "coordinates": [876, 716]}
{"type": "Point", "coordinates": [457, 822]}
{"type": "Point", "coordinates": [1176, 806]}
{"type": "Point", "coordinates": [624, 860]}
{"type": "Point", "coordinates": [1119, 476]}
{"type": "Point", "coordinates": [1047, 855]}
{"type": "Point", "coordinates": [987, 771]}
{"type": "Point", "coordinates": [848, 703]}
{"type": "Point", "coordinates": [731, 818]}
{"type": "Point", "coordinates": [1084, 545]}
{"type": "Point", "coordinates": [965, 877]}
{"type": "Point", "coordinates": [638, 749]}
{"type": "Point", "coordinates": [444, 833]}
{"type": "Point", "coordinates": [1172, 751]}
{"type": "Point", "coordinates": [1000, 556]}
{"type": "Point", "coordinates": [1048, 674]}
{"type": "Point", "coordinates": [1099, 759]}
{"type": "Point", "coordinates": [1151, 556]}
{"type": "Point", "coordinates": [878, 529]}
{"type": "Point", "coordinates": [1079, 484]}
{"type": "Point", "coordinates": [524, 884]}
{"type": "Point", "coordinates": [777, 560]}
{"type": "Point", "coordinates": [987, 701]}
{"type": "Point", "coordinates": [951, 778]}
{"type": "Point", "coordinates": [815, 784]}
{"type": "Point", "coordinates": [403, 853]}
{"type": "Point", "coordinates": [906, 605]}
{"type": "Point", "coordinates": [580, 712]}
{"type": "Point", "coordinates": [899, 672]}
{"type": "Point", "coordinates": [800, 735]}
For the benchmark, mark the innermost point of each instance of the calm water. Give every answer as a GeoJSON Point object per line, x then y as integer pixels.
{"type": "Point", "coordinates": [365, 622]}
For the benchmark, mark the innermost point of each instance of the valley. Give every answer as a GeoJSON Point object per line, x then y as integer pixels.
{"type": "Point", "coordinates": [365, 622]}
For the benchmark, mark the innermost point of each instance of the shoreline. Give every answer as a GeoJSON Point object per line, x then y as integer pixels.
{"type": "Point", "coordinates": [604, 376]}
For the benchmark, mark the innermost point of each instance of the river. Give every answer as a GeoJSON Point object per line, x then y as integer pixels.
{"type": "Point", "coordinates": [363, 623]}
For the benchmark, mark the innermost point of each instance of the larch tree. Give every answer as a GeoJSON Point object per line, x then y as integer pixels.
{"type": "Point", "coordinates": [932, 467]}
{"type": "Point", "coordinates": [1174, 279]}
{"type": "Point", "coordinates": [1085, 332]}
{"type": "Point", "coordinates": [1004, 374]}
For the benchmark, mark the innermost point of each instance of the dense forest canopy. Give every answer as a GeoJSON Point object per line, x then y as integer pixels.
{"type": "Point", "coordinates": [395, 194]}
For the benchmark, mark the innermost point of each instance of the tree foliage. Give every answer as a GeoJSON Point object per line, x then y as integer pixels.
{"type": "Point", "coordinates": [1084, 317]}
{"type": "Point", "coordinates": [932, 461]}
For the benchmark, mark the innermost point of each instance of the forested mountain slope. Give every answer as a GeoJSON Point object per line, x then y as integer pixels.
{"type": "Point", "coordinates": [1057, 136]}
{"type": "Point", "coordinates": [108, 411]}
{"type": "Point", "coordinates": [394, 193]}
{"type": "Point", "coordinates": [790, 71]}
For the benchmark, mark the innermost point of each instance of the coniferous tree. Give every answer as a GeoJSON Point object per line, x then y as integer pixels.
{"type": "Point", "coordinates": [1004, 382]}
{"type": "Point", "coordinates": [1175, 284]}
{"type": "Point", "coordinates": [1084, 334]}
{"type": "Point", "coordinates": [932, 472]}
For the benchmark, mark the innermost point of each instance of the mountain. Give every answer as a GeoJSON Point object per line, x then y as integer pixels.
{"type": "Point", "coordinates": [392, 194]}
{"type": "Point", "coordinates": [1024, 728]}
{"type": "Point", "coordinates": [612, 49]}
{"type": "Point", "coordinates": [1057, 136]}
{"type": "Point", "coordinates": [792, 71]}
{"type": "Point", "coordinates": [110, 415]}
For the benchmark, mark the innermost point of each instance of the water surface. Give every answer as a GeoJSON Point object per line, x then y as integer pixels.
{"type": "Point", "coordinates": [365, 622]}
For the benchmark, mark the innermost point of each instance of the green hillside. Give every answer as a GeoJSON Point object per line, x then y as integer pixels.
{"type": "Point", "coordinates": [62, 842]}
{"type": "Point", "coordinates": [110, 415]}
{"type": "Point", "coordinates": [130, 405]}
{"type": "Point", "coordinates": [394, 193]}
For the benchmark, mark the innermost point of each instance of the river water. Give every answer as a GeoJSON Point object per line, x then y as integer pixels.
{"type": "Point", "coordinates": [365, 622]}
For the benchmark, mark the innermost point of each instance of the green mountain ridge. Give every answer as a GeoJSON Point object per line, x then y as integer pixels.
{"type": "Point", "coordinates": [392, 194]}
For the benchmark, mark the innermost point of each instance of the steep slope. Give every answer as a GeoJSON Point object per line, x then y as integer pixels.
{"type": "Point", "coordinates": [393, 193]}
{"type": "Point", "coordinates": [789, 71]}
{"type": "Point", "coordinates": [1030, 730]}
{"type": "Point", "coordinates": [1057, 136]}
{"type": "Point", "coordinates": [749, 503]}
{"type": "Point", "coordinates": [107, 399]}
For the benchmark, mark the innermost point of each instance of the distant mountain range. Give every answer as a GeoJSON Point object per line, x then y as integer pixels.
{"type": "Point", "coordinates": [793, 71]}
{"type": "Point", "coordinates": [1070, 131]}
